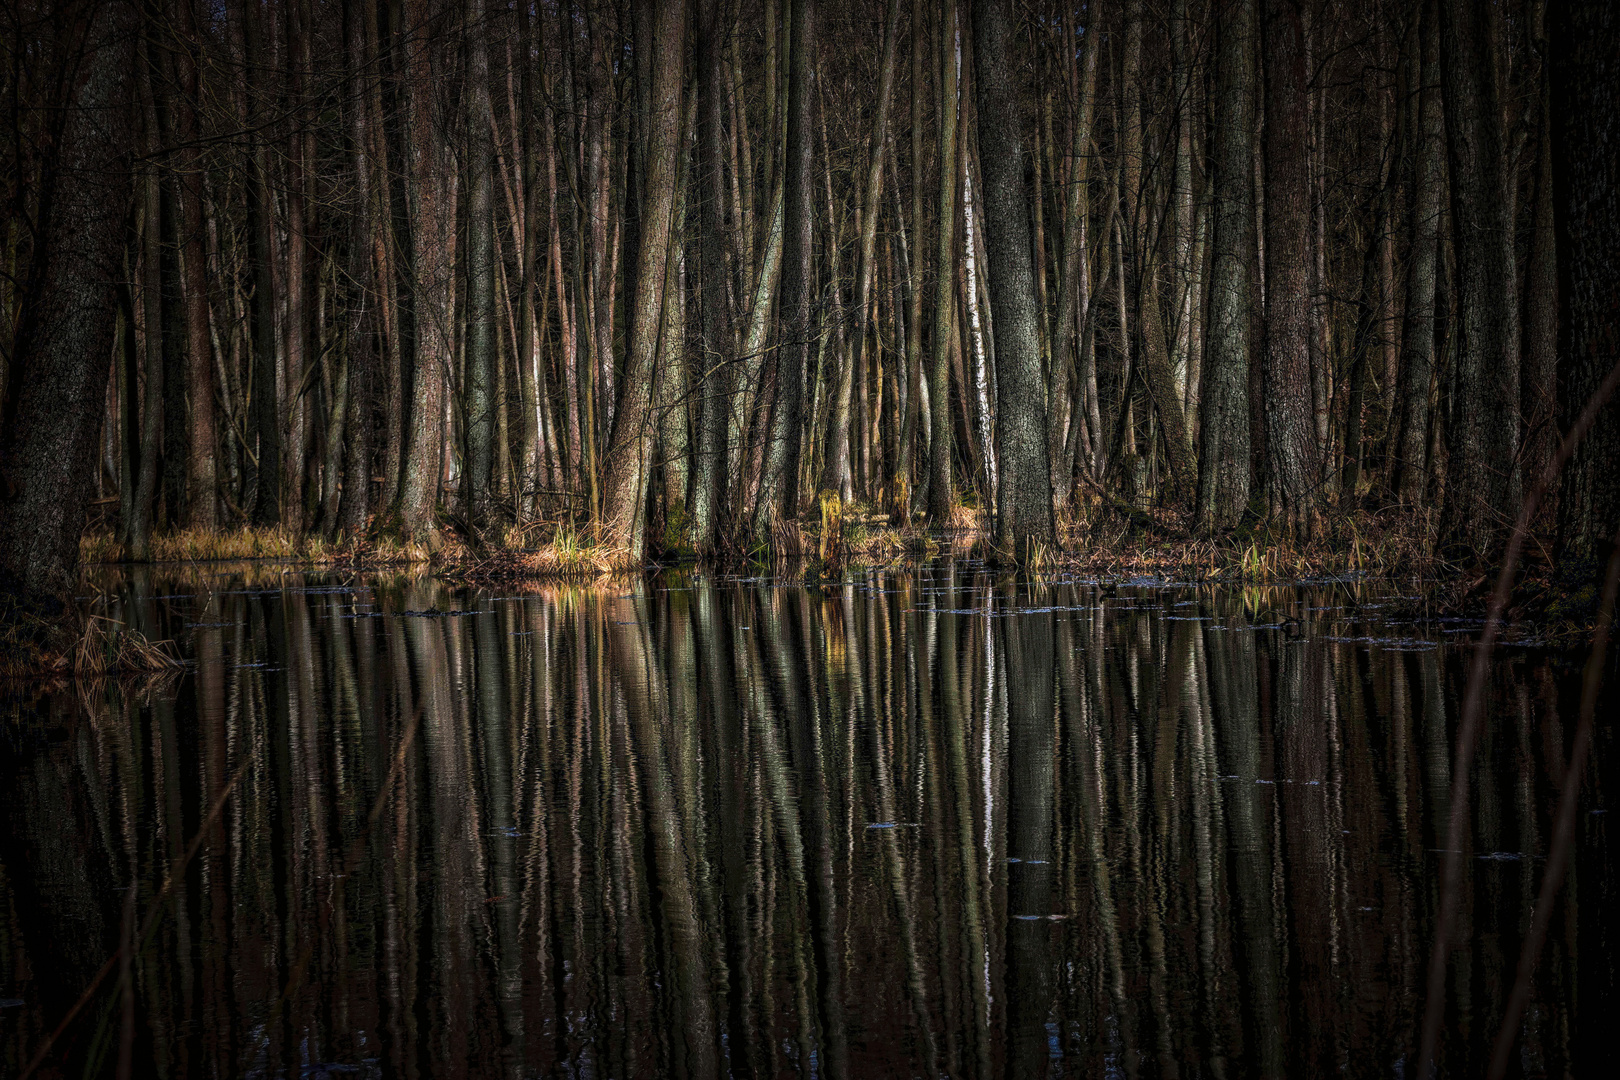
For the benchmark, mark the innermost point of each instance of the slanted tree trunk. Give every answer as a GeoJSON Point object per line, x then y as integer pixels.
{"type": "Point", "coordinates": [1293, 453]}
{"type": "Point", "coordinates": [1024, 522]}
{"type": "Point", "coordinates": [778, 491]}
{"type": "Point", "coordinates": [57, 375]}
{"type": "Point", "coordinates": [629, 457]}
{"type": "Point", "coordinates": [1586, 109]}
{"type": "Point", "coordinates": [1223, 475]}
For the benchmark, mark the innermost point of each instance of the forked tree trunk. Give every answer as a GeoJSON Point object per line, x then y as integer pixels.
{"type": "Point", "coordinates": [629, 457]}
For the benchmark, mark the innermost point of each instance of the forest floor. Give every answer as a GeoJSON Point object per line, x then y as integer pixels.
{"type": "Point", "coordinates": [1104, 542]}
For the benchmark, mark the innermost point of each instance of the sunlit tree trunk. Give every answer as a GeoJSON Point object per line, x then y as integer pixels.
{"type": "Point", "coordinates": [778, 492]}
{"type": "Point", "coordinates": [629, 457]}
{"type": "Point", "coordinates": [835, 474]}
{"type": "Point", "coordinates": [941, 494]}
{"type": "Point", "coordinates": [1024, 523]}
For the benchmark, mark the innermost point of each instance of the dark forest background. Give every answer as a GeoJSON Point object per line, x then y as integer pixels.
{"type": "Point", "coordinates": [678, 271]}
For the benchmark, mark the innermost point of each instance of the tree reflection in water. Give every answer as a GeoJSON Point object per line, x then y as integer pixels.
{"type": "Point", "coordinates": [916, 824]}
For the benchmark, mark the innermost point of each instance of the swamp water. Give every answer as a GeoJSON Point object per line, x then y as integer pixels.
{"type": "Point", "coordinates": [917, 824]}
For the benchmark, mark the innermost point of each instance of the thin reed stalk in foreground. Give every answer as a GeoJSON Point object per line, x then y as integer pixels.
{"type": "Point", "coordinates": [1471, 720]}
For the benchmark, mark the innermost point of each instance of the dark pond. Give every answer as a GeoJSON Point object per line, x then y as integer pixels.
{"type": "Point", "coordinates": [920, 824]}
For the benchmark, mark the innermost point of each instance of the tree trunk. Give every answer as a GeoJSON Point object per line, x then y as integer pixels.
{"type": "Point", "coordinates": [261, 252]}
{"type": "Point", "coordinates": [1223, 477]}
{"type": "Point", "coordinates": [1482, 488]}
{"type": "Point", "coordinates": [482, 348]}
{"type": "Point", "coordinates": [778, 493]}
{"type": "Point", "coordinates": [143, 516]}
{"type": "Point", "coordinates": [57, 375]}
{"type": "Point", "coordinates": [835, 474]}
{"type": "Point", "coordinates": [432, 213]}
{"type": "Point", "coordinates": [941, 494]}
{"type": "Point", "coordinates": [202, 502]}
{"type": "Point", "coordinates": [716, 367]}
{"type": "Point", "coordinates": [1024, 523]}
{"type": "Point", "coordinates": [1074, 288]}
{"type": "Point", "coordinates": [629, 457]}
{"type": "Point", "coordinates": [1293, 453]}
{"type": "Point", "coordinates": [1425, 211]}
{"type": "Point", "coordinates": [1586, 102]}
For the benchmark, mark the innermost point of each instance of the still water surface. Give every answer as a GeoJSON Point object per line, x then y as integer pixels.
{"type": "Point", "coordinates": [921, 824]}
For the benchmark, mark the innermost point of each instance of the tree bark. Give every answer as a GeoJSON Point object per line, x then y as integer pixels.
{"type": "Point", "coordinates": [202, 502]}
{"type": "Point", "coordinates": [1586, 104]}
{"type": "Point", "coordinates": [716, 367]}
{"type": "Point", "coordinates": [57, 377]}
{"type": "Point", "coordinates": [1482, 487]}
{"type": "Point", "coordinates": [778, 493]}
{"type": "Point", "coordinates": [432, 213]}
{"type": "Point", "coordinates": [1024, 522]}
{"type": "Point", "coordinates": [941, 494]}
{"type": "Point", "coordinates": [1293, 453]}
{"type": "Point", "coordinates": [1428, 201]}
{"type": "Point", "coordinates": [261, 252]}
{"type": "Point", "coordinates": [835, 474]}
{"type": "Point", "coordinates": [1223, 475]}
{"type": "Point", "coordinates": [629, 457]}
{"type": "Point", "coordinates": [482, 349]}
